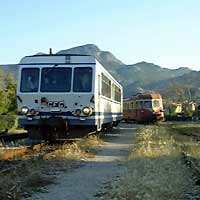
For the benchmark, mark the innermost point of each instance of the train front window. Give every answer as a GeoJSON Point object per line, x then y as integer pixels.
{"type": "Point", "coordinates": [156, 103]}
{"type": "Point", "coordinates": [82, 79]}
{"type": "Point", "coordinates": [147, 104]}
{"type": "Point", "coordinates": [56, 79]}
{"type": "Point", "coordinates": [29, 80]}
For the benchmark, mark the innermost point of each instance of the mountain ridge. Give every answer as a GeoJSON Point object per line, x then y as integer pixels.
{"type": "Point", "coordinates": [133, 77]}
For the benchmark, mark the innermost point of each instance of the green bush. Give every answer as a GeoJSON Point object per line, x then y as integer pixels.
{"type": "Point", "coordinates": [8, 103]}
{"type": "Point", "coordinates": [7, 122]}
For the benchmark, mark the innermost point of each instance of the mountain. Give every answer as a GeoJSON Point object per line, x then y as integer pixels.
{"type": "Point", "coordinates": [7, 69]}
{"type": "Point", "coordinates": [187, 84]}
{"type": "Point", "coordinates": [107, 59]}
{"type": "Point", "coordinates": [191, 79]}
{"type": "Point", "coordinates": [134, 77]}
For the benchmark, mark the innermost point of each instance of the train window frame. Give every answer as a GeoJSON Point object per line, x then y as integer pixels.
{"type": "Point", "coordinates": [30, 81]}
{"type": "Point", "coordinates": [99, 85]}
{"type": "Point", "coordinates": [141, 105]}
{"type": "Point", "coordinates": [75, 81]}
{"type": "Point", "coordinates": [53, 90]}
{"type": "Point", "coordinates": [137, 104]}
{"type": "Point", "coordinates": [105, 86]}
{"type": "Point", "coordinates": [116, 93]}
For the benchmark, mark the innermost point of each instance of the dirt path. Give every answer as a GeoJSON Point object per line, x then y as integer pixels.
{"type": "Point", "coordinates": [86, 181]}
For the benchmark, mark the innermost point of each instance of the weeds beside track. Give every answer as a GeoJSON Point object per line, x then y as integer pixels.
{"type": "Point", "coordinates": [156, 167]}
{"type": "Point", "coordinates": [31, 172]}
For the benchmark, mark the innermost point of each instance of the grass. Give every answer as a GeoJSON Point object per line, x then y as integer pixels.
{"type": "Point", "coordinates": [154, 168]}
{"type": "Point", "coordinates": [32, 172]}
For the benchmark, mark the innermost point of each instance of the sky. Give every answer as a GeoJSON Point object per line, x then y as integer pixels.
{"type": "Point", "coordinates": [166, 33]}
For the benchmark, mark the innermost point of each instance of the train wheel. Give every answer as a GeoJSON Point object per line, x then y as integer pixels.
{"type": "Point", "coordinates": [34, 133]}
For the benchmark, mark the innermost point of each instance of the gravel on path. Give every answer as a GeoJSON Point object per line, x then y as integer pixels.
{"type": "Point", "coordinates": [86, 181]}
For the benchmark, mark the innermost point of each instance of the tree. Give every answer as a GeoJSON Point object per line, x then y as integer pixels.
{"type": "Point", "coordinates": [10, 86]}
{"type": "Point", "coordinates": [7, 94]}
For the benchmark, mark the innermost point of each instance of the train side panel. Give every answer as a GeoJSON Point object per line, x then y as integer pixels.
{"type": "Point", "coordinates": [109, 110]}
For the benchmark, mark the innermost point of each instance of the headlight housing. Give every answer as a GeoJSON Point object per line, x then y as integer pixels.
{"type": "Point", "coordinates": [24, 110]}
{"type": "Point", "coordinates": [87, 111]}
{"type": "Point", "coordinates": [33, 112]}
{"type": "Point", "coordinates": [78, 112]}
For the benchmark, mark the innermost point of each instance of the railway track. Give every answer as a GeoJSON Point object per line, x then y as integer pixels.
{"type": "Point", "coordinates": [194, 136]}
{"type": "Point", "coordinates": [13, 137]}
{"type": "Point", "coordinates": [11, 152]}
{"type": "Point", "coordinates": [191, 160]}
{"type": "Point", "coordinates": [192, 163]}
{"type": "Point", "coordinates": [193, 166]}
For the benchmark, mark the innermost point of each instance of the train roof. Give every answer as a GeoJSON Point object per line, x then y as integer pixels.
{"type": "Point", "coordinates": [36, 55]}
{"type": "Point", "coordinates": [144, 96]}
{"type": "Point", "coordinates": [149, 96]}
{"type": "Point", "coordinates": [54, 59]}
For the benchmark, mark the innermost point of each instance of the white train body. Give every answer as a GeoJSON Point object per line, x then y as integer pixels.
{"type": "Point", "coordinates": [76, 88]}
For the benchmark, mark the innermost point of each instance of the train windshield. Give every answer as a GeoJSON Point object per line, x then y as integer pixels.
{"type": "Point", "coordinates": [156, 103]}
{"type": "Point", "coordinates": [29, 80]}
{"type": "Point", "coordinates": [82, 79]}
{"type": "Point", "coordinates": [56, 80]}
{"type": "Point", "coordinates": [147, 104]}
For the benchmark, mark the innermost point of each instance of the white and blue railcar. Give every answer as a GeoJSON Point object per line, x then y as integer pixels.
{"type": "Point", "coordinates": [67, 92]}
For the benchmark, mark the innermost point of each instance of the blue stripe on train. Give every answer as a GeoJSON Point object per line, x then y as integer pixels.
{"type": "Point", "coordinates": [68, 113]}
{"type": "Point", "coordinates": [83, 121]}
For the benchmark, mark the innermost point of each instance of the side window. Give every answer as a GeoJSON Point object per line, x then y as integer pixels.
{"type": "Point", "coordinates": [132, 105]}
{"type": "Point", "coordinates": [147, 104]}
{"type": "Point", "coordinates": [106, 86]}
{"type": "Point", "coordinates": [141, 104]}
{"type": "Point", "coordinates": [116, 93]}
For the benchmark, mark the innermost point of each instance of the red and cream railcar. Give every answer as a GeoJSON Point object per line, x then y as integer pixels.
{"type": "Point", "coordinates": [142, 108]}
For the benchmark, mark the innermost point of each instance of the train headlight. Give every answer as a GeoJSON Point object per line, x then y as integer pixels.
{"type": "Point", "coordinates": [87, 110]}
{"type": "Point", "coordinates": [78, 112]}
{"type": "Point", "coordinates": [24, 110]}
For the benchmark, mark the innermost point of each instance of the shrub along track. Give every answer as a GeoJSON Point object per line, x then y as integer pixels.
{"type": "Point", "coordinates": [30, 168]}
{"type": "Point", "coordinates": [163, 164]}
{"type": "Point", "coordinates": [11, 152]}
